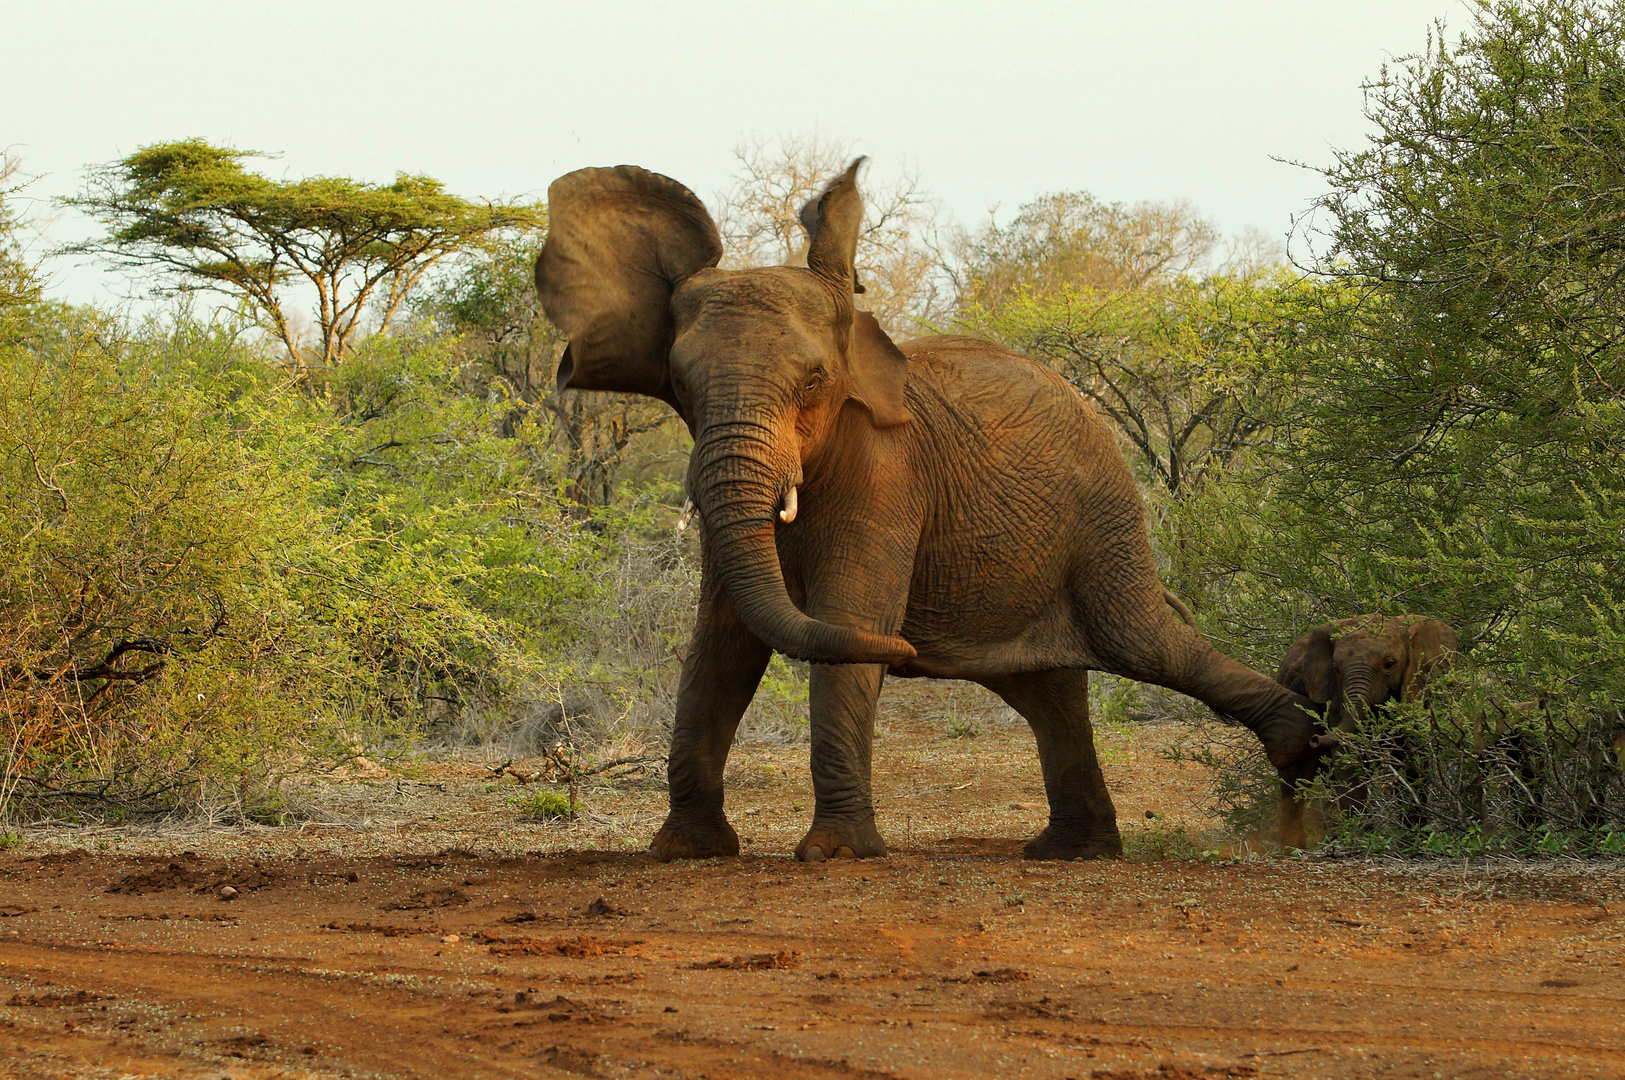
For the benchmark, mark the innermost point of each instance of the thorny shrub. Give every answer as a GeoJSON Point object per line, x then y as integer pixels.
{"type": "Point", "coordinates": [1471, 774]}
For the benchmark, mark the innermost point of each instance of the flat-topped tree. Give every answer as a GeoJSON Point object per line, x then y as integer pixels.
{"type": "Point", "coordinates": [192, 211]}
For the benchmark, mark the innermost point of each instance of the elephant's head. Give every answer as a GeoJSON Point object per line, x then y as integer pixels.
{"type": "Point", "coordinates": [759, 363]}
{"type": "Point", "coordinates": [1356, 664]}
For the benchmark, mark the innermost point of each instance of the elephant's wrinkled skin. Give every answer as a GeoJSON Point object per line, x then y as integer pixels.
{"type": "Point", "coordinates": [944, 509]}
{"type": "Point", "coordinates": [1354, 665]}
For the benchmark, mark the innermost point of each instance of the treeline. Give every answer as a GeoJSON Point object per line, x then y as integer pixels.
{"type": "Point", "coordinates": [238, 546]}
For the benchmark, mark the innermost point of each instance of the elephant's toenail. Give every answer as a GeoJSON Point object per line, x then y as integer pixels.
{"type": "Point", "coordinates": [844, 852]}
{"type": "Point", "coordinates": [814, 854]}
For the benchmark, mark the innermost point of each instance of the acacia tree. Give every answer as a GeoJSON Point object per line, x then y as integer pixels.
{"type": "Point", "coordinates": [1071, 239]}
{"type": "Point", "coordinates": [192, 211]}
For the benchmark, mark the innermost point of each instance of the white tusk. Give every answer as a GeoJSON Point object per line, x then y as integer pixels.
{"type": "Point", "coordinates": [788, 514]}
{"type": "Point", "coordinates": [688, 512]}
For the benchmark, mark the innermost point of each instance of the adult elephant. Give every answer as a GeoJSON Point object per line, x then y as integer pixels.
{"type": "Point", "coordinates": [943, 508]}
{"type": "Point", "coordinates": [1349, 667]}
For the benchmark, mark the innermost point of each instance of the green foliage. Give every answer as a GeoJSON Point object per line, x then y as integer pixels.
{"type": "Point", "coordinates": [150, 633]}
{"type": "Point", "coordinates": [209, 579]}
{"type": "Point", "coordinates": [425, 474]}
{"type": "Point", "coordinates": [1116, 702]}
{"type": "Point", "coordinates": [963, 727]}
{"type": "Point", "coordinates": [1455, 444]}
{"type": "Point", "coordinates": [1244, 792]}
{"type": "Point", "coordinates": [1160, 840]}
{"type": "Point", "coordinates": [547, 806]}
{"type": "Point", "coordinates": [1072, 240]}
{"type": "Point", "coordinates": [507, 348]}
{"type": "Point", "coordinates": [778, 712]}
{"type": "Point", "coordinates": [191, 211]}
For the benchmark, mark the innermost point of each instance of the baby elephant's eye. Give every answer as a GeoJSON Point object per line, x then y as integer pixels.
{"type": "Point", "coordinates": [1390, 662]}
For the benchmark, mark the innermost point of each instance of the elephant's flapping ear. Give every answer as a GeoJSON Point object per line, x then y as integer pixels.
{"type": "Point", "coordinates": [1431, 645]}
{"type": "Point", "coordinates": [619, 241]}
{"type": "Point", "coordinates": [878, 369]}
{"type": "Point", "coordinates": [879, 372]}
{"type": "Point", "coordinates": [832, 222]}
{"type": "Point", "coordinates": [1307, 666]}
{"type": "Point", "coordinates": [809, 221]}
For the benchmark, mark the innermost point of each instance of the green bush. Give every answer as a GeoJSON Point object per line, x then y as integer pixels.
{"type": "Point", "coordinates": [150, 633]}
{"type": "Point", "coordinates": [210, 579]}
{"type": "Point", "coordinates": [548, 806]}
{"type": "Point", "coordinates": [1454, 445]}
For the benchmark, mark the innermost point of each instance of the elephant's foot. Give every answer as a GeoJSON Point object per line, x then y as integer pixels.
{"type": "Point", "coordinates": [843, 840]}
{"type": "Point", "coordinates": [1069, 844]}
{"type": "Point", "coordinates": [679, 839]}
{"type": "Point", "coordinates": [1289, 738]}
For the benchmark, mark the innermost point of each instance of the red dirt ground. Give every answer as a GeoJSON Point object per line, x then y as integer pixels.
{"type": "Point", "coordinates": [451, 940]}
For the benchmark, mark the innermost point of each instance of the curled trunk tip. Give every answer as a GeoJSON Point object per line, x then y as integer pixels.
{"type": "Point", "coordinates": [740, 512]}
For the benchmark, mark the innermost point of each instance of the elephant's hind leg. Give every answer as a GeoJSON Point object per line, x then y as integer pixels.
{"type": "Point", "coordinates": [1082, 820]}
{"type": "Point", "coordinates": [1134, 633]}
{"type": "Point", "coordinates": [725, 662]}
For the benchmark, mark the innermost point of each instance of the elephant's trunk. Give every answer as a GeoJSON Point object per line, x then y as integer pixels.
{"type": "Point", "coordinates": [1356, 703]}
{"type": "Point", "coordinates": [740, 494]}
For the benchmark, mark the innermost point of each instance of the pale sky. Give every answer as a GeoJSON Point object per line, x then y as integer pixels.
{"type": "Point", "coordinates": [990, 104]}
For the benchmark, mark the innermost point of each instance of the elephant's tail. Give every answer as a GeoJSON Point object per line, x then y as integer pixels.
{"type": "Point", "coordinates": [1178, 605]}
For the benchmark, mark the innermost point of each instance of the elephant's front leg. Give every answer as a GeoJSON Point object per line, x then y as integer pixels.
{"type": "Point", "coordinates": [724, 664]}
{"type": "Point", "coordinates": [842, 703]}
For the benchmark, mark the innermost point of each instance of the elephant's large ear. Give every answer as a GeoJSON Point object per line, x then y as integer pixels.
{"type": "Point", "coordinates": [619, 241]}
{"type": "Point", "coordinates": [1307, 666]}
{"type": "Point", "coordinates": [879, 372]}
{"type": "Point", "coordinates": [832, 226]}
{"type": "Point", "coordinates": [1431, 645]}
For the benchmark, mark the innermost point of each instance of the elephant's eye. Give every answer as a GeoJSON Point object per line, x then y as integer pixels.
{"type": "Point", "coordinates": [1390, 662]}
{"type": "Point", "coordinates": [815, 379]}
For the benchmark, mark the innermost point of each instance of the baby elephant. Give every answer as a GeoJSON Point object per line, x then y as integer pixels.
{"type": "Point", "coordinates": [1352, 665]}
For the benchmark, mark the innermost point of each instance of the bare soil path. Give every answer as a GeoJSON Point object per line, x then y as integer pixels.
{"type": "Point", "coordinates": [440, 937]}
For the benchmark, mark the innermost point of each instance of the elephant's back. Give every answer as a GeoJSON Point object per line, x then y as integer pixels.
{"type": "Point", "coordinates": [987, 386]}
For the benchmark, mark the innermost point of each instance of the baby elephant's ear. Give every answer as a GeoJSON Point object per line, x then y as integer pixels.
{"type": "Point", "coordinates": [1433, 646]}
{"type": "Point", "coordinates": [619, 241]}
{"type": "Point", "coordinates": [1307, 666]}
{"type": "Point", "coordinates": [879, 372]}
